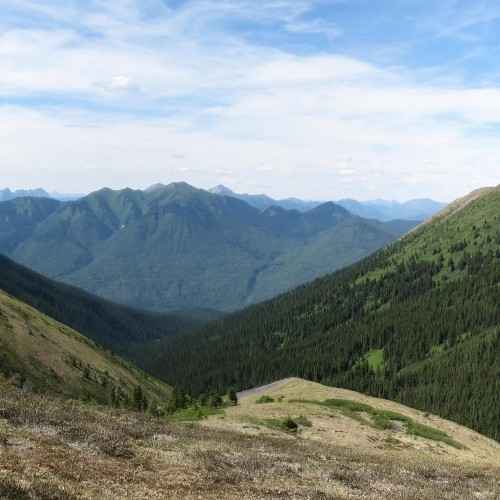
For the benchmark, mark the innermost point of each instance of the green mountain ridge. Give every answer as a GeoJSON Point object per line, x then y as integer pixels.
{"type": "Point", "coordinates": [417, 322]}
{"type": "Point", "coordinates": [181, 247]}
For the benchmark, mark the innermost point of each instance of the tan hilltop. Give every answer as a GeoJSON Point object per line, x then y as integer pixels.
{"type": "Point", "coordinates": [52, 448]}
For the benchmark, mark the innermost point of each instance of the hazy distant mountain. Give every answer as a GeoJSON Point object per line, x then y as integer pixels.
{"type": "Point", "coordinates": [7, 194]}
{"type": "Point", "coordinates": [384, 210]}
{"type": "Point", "coordinates": [378, 209]}
{"type": "Point", "coordinates": [264, 201]}
{"type": "Point", "coordinates": [154, 187]}
{"type": "Point", "coordinates": [180, 247]}
{"type": "Point", "coordinates": [66, 196]}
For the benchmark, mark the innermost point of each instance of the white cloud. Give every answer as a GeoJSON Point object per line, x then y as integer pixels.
{"type": "Point", "coordinates": [119, 84]}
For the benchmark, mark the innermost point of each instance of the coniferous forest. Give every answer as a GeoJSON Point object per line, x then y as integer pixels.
{"type": "Point", "coordinates": [110, 324]}
{"type": "Point", "coordinates": [417, 322]}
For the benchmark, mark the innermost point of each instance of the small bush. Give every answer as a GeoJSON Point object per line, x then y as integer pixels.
{"type": "Point", "coordinates": [288, 424]}
{"type": "Point", "coordinates": [302, 420]}
{"type": "Point", "coordinates": [264, 399]}
{"type": "Point", "coordinates": [285, 425]}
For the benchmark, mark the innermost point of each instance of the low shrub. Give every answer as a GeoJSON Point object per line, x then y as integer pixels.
{"type": "Point", "coordinates": [264, 399]}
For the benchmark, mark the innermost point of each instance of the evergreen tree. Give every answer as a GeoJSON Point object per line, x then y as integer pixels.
{"type": "Point", "coordinates": [232, 396]}
{"type": "Point", "coordinates": [139, 402]}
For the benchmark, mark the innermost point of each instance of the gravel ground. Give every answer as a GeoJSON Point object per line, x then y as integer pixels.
{"type": "Point", "coordinates": [262, 389]}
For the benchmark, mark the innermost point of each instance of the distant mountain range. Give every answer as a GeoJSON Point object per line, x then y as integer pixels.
{"type": "Point", "coordinates": [382, 210]}
{"type": "Point", "coordinates": [418, 210]}
{"type": "Point", "coordinates": [7, 194]}
{"type": "Point", "coordinates": [176, 246]}
{"type": "Point", "coordinates": [264, 201]}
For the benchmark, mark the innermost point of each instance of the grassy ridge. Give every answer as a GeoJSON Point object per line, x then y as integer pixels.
{"type": "Point", "coordinates": [42, 355]}
{"type": "Point", "coordinates": [52, 448]}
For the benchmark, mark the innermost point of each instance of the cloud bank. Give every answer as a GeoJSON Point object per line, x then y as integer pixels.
{"type": "Point", "coordinates": [315, 99]}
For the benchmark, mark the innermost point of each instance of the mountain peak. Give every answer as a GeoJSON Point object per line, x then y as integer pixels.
{"type": "Point", "coordinates": [154, 187]}
{"type": "Point", "coordinates": [222, 190]}
{"type": "Point", "coordinates": [180, 185]}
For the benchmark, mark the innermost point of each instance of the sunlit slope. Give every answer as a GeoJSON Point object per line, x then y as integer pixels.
{"type": "Point", "coordinates": [417, 322]}
{"type": "Point", "coordinates": [58, 449]}
{"type": "Point", "coordinates": [39, 354]}
{"type": "Point", "coordinates": [348, 418]}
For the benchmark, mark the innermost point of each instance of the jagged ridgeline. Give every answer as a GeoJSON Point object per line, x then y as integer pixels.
{"type": "Point", "coordinates": [417, 322]}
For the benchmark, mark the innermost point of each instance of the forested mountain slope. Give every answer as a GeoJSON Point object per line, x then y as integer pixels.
{"type": "Point", "coordinates": [182, 247]}
{"type": "Point", "coordinates": [417, 322]}
{"type": "Point", "coordinates": [109, 324]}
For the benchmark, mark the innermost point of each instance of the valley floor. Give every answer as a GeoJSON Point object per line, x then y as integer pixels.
{"type": "Point", "coordinates": [62, 449]}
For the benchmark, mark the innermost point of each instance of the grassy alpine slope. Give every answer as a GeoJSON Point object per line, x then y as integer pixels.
{"type": "Point", "coordinates": [51, 448]}
{"type": "Point", "coordinates": [417, 322]}
{"type": "Point", "coordinates": [45, 356]}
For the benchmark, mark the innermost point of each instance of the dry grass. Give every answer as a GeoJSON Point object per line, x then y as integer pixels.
{"type": "Point", "coordinates": [61, 449]}
{"type": "Point", "coordinates": [337, 428]}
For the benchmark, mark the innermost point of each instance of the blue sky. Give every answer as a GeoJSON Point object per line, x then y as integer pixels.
{"type": "Point", "coordinates": [317, 99]}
